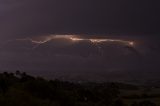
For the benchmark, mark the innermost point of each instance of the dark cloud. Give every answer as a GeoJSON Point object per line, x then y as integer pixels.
{"type": "Point", "coordinates": [37, 17]}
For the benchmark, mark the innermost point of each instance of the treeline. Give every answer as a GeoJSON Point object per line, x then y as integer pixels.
{"type": "Point", "coordinates": [21, 89]}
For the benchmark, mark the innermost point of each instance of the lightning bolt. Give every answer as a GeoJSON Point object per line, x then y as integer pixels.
{"type": "Point", "coordinates": [75, 38]}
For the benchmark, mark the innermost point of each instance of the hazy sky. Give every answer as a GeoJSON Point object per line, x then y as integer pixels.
{"type": "Point", "coordinates": [127, 20]}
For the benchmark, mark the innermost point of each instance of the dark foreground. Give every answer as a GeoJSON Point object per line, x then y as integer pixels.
{"type": "Point", "coordinates": [20, 89]}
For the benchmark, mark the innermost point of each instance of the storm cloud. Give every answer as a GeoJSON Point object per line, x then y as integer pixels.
{"type": "Point", "coordinates": [21, 18]}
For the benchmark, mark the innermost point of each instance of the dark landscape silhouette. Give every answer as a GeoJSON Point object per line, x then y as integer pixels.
{"type": "Point", "coordinates": [21, 89]}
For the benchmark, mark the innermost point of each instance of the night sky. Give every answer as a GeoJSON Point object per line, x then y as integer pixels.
{"type": "Point", "coordinates": [81, 39]}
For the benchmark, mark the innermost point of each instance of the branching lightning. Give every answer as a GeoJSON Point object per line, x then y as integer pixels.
{"type": "Point", "coordinates": [75, 38]}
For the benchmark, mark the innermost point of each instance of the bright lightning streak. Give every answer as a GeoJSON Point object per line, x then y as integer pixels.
{"type": "Point", "coordinates": [75, 38]}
